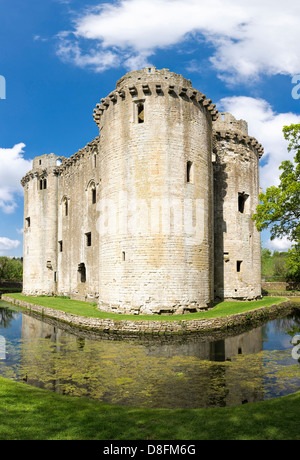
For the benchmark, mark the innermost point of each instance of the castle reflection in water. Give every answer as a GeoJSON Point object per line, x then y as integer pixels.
{"type": "Point", "coordinates": [172, 372]}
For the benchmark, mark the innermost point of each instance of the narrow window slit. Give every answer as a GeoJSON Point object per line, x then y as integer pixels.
{"type": "Point", "coordinates": [140, 112]}
{"type": "Point", "coordinates": [88, 237]}
{"type": "Point", "coordinates": [189, 171]}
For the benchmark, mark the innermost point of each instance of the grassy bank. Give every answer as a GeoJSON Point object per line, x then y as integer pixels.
{"type": "Point", "coordinates": [86, 309]}
{"type": "Point", "coordinates": [35, 414]}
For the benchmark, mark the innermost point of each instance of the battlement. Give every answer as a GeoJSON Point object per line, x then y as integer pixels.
{"type": "Point", "coordinates": [153, 75]}
{"type": "Point", "coordinates": [140, 84]}
{"type": "Point", "coordinates": [227, 122]}
{"type": "Point", "coordinates": [228, 127]}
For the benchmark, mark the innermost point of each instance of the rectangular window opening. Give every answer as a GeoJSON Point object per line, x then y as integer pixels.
{"type": "Point", "coordinates": [60, 246]}
{"type": "Point", "coordinates": [123, 256]}
{"type": "Point", "coordinates": [140, 112]}
{"type": "Point", "coordinates": [242, 198]}
{"type": "Point", "coordinates": [27, 222]}
{"type": "Point", "coordinates": [88, 237]}
{"type": "Point", "coordinates": [238, 265]}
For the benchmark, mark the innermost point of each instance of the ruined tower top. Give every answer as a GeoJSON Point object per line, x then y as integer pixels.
{"type": "Point", "coordinates": [227, 122]}
{"type": "Point", "coordinates": [152, 74]}
{"type": "Point", "coordinates": [227, 127]}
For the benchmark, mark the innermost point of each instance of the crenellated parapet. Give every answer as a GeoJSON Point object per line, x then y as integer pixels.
{"type": "Point", "coordinates": [153, 82]}
{"type": "Point", "coordinates": [240, 139]}
{"type": "Point", "coordinates": [227, 128]}
{"type": "Point", "coordinates": [91, 148]}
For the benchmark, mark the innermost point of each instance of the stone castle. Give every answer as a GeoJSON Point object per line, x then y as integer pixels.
{"type": "Point", "coordinates": [153, 215]}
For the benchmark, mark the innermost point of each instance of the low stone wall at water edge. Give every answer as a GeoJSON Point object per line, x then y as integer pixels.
{"type": "Point", "coordinates": [154, 327]}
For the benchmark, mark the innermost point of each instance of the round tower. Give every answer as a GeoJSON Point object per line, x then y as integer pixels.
{"type": "Point", "coordinates": [155, 209]}
{"type": "Point", "coordinates": [40, 227]}
{"type": "Point", "coordinates": [236, 188]}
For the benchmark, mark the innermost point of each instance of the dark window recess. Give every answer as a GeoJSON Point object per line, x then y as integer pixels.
{"type": "Point", "coordinates": [66, 208]}
{"type": "Point", "coordinates": [242, 198]}
{"type": "Point", "coordinates": [60, 245]}
{"type": "Point", "coordinates": [43, 184]}
{"type": "Point", "coordinates": [88, 237]}
{"type": "Point", "coordinates": [189, 166]}
{"type": "Point", "coordinates": [123, 256]}
{"type": "Point", "coordinates": [27, 221]}
{"type": "Point", "coordinates": [55, 277]}
{"type": "Point", "coordinates": [82, 272]}
{"type": "Point", "coordinates": [238, 265]}
{"type": "Point", "coordinates": [140, 113]}
{"type": "Point", "coordinates": [94, 196]}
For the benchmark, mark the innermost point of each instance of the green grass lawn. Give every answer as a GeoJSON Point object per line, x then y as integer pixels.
{"type": "Point", "coordinates": [80, 308]}
{"type": "Point", "coordinates": [28, 413]}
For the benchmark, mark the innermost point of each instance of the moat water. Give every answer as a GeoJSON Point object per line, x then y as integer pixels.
{"type": "Point", "coordinates": [195, 371]}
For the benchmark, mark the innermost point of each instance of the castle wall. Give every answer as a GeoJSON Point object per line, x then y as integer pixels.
{"type": "Point", "coordinates": [78, 238]}
{"type": "Point", "coordinates": [236, 189]}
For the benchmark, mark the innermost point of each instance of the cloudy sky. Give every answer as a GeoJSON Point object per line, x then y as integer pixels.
{"type": "Point", "coordinates": [58, 58]}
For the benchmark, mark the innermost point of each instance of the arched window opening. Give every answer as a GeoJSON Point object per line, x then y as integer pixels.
{"type": "Point", "coordinates": [94, 196]}
{"type": "Point", "coordinates": [82, 272]}
{"type": "Point", "coordinates": [66, 206]}
{"type": "Point", "coordinates": [43, 184]}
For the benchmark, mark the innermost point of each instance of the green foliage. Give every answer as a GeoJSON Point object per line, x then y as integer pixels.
{"type": "Point", "coordinates": [279, 207]}
{"type": "Point", "coordinates": [293, 264]}
{"type": "Point", "coordinates": [11, 269]}
{"type": "Point", "coordinates": [274, 266]}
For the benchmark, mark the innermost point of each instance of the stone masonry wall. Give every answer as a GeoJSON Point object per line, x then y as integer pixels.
{"type": "Point", "coordinates": [144, 219]}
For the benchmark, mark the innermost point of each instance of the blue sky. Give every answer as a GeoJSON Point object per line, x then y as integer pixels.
{"type": "Point", "coordinates": [60, 57]}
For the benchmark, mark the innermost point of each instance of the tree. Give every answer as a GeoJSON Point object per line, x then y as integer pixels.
{"type": "Point", "coordinates": [10, 269]}
{"type": "Point", "coordinates": [279, 207]}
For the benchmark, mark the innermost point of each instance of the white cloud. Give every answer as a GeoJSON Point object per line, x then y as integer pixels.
{"type": "Point", "coordinates": [7, 244]}
{"type": "Point", "coordinates": [279, 244]}
{"type": "Point", "coordinates": [13, 167]}
{"type": "Point", "coordinates": [266, 126]}
{"type": "Point", "coordinates": [97, 59]}
{"type": "Point", "coordinates": [248, 38]}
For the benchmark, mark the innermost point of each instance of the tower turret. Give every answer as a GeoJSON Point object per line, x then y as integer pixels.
{"type": "Point", "coordinates": [236, 190]}
{"type": "Point", "coordinates": [40, 226]}
{"type": "Point", "coordinates": [156, 205]}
